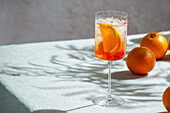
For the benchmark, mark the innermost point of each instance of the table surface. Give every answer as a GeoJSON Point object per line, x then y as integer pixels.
{"type": "Point", "coordinates": [64, 77]}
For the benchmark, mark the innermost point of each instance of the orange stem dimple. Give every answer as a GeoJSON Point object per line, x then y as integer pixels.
{"type": "Point", "coordinates": [152, 36]}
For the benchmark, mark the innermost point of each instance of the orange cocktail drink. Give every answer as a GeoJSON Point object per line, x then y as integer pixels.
{"type": "Point", "coordinates": [110, 45]}
{"type": "Point", "coordinates": [110, 38]}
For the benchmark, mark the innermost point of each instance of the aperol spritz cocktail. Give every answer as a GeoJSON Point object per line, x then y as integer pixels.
{"type": "Point", "coordinates": [110, 38]}
{"type": "Point", "coordinates": [110, 45]}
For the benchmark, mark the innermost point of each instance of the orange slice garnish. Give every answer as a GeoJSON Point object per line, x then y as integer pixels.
{"type": "Point", "coordinates": [111, 38]}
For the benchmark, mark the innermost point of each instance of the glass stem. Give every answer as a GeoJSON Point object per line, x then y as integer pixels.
{"type": "Point", "coordinates": [109, 97]}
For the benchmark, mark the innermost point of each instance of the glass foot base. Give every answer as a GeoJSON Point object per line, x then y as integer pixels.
{"type": "Point", "coordinates": [114, 101]}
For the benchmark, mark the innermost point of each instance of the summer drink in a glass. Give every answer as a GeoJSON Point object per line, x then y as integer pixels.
{"type": "Point", "coordinates": [110, 45]}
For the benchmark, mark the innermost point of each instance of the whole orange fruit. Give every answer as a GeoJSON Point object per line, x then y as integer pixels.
{"type": "Point", "coordinates": [156, 42]}
{"type": "Point", "coordinates": [140, 60]}
{"type": "Point", "coordinates": [166, 99]}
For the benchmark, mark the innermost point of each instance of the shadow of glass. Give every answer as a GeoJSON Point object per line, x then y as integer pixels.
{"type": "Point", "coordinates": [60, 111]}
{"type": "Point", "coordinates": [125, 75]}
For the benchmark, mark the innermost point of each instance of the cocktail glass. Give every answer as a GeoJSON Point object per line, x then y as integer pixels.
{"type": "Point", "coordinates": [110, 45]}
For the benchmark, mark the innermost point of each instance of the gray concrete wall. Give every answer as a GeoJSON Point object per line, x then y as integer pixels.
{"type": "Point", "coordinates": [23, 21]}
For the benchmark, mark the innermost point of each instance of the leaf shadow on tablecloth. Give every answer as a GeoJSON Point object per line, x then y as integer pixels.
{"type": "Point", "coordinates": [80, 64]}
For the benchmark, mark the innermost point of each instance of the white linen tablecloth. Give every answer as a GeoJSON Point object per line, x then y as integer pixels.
{"type": "Point", "coordinates": [64, 77]}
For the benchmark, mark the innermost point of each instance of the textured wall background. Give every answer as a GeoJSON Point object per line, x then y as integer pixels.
{"type": "Point", "coordinates": [23, 21]}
